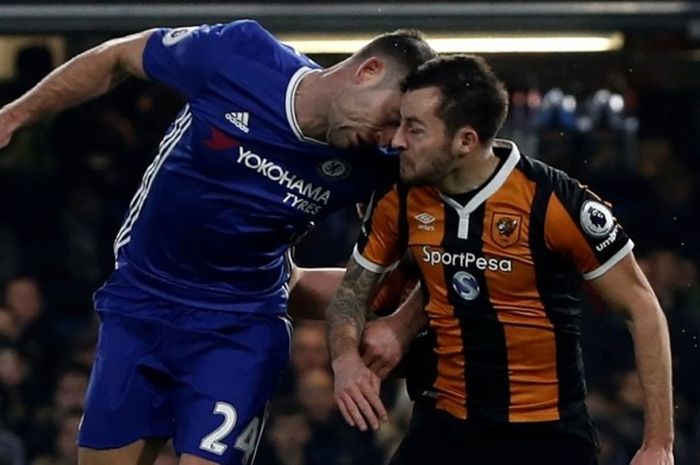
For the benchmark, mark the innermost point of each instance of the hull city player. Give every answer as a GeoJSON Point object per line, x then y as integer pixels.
{"type": "Point", "coordinates": [502, 243]}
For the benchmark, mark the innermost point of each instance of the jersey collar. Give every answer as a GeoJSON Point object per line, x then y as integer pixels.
{"type": "Point", "coordinates": [496, 182]}
{"type": "Point", "coordinates": [289, 99]}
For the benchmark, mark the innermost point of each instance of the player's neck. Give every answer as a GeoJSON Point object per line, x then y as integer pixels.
{"type": "Point", "coordinates": [313, 97]}
{"type": "Point", "coordinates": [476, 168]}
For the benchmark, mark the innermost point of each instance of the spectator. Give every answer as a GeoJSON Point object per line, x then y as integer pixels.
{"type": "Point", "coordinates": [309, 351]}
{"type": "Point", "coordinates": [64, 447]}
{"type": "Point", "coordinates": [8, 328]}
{"type": "Point", "coordinates": [48, 421]}
{"type": "Point", "coordinates": [37, 332]}
{"type": "Point", "coordinates": [16, 396]}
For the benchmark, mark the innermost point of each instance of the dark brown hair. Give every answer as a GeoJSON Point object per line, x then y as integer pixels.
{"type": "Point", "coordinates": [472, 94]}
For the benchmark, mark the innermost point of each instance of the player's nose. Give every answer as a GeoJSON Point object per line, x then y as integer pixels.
{"type": "Point", "coordinates": [398, 141]}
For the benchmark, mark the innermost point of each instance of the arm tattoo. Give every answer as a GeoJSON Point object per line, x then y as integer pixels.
{"type": "Point", "coordinates": [349, 307]}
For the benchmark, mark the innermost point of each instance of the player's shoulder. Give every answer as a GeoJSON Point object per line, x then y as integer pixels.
{"type": "Point", "coordinates": [247, 30]}
{"type": "Point", "coordinates": [256, 44]}
{"type": "Point", "coordinates": [239, 31]}
{"type": "Point", "coordinates": [545, 175]}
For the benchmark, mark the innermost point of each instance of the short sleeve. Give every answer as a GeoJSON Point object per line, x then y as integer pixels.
{"type": "Point", "coordinates": [379, 246]}
{"type": "Point", "coordinates": [186, 58]}
{"type": "Point", "coordinates": [395, 287]}
{"type": "Point", "coordinates": [580, 226]}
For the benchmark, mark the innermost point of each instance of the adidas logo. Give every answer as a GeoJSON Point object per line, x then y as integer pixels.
{"type": "Point", "coordinates": [239, 119]}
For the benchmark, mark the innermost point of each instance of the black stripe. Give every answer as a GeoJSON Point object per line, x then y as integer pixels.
{"type": "Point", "coordinates": [558, 284]}
{"type": "Point", "coordinates": [421, 359]}
{"type": "Point", "coordinates": [572, 197]}
{"type": "Point", "coordinates": [483, 336]}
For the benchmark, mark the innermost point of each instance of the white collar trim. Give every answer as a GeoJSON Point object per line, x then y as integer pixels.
{"type": "Point", "coordinates": [289, 100]}
{"type": "Point", "coordinates": [489, 189]}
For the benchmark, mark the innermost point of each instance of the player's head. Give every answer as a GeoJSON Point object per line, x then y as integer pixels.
{"type": "Point", "coordinates": [366, 110]}
{"type": "Point", "coordinates": [452, 106]}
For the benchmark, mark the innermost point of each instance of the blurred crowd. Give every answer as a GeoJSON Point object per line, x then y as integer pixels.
{"type": "Point", "coordinates": [66, 182]}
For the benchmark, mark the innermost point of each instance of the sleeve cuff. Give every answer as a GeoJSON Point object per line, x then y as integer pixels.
{"type": "Point", "coordinates": [612, 261]}
{"type": "Point", "coordinates": [370, 266]}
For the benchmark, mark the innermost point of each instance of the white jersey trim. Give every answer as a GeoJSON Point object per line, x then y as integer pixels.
{"type": "Point", "coordinates": [290, 98]}
{"type": "Point", "coordinates": [370, 266]}
{"type": "Point", "coordinates": [487, 191]}
{"type": "Point", "coordinates": [169, 142]}
{"type": "Point", "coordinates": [612, 261]}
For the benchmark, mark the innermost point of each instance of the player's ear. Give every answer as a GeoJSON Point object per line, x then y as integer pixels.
{"type": "Point", "coordinates": [465, 140]}
{"type": "Point", "coordinates": [371, 69]}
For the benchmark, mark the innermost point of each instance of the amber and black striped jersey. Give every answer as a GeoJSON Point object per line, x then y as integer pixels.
{"type": "Point", "coordinates": [501, 273]}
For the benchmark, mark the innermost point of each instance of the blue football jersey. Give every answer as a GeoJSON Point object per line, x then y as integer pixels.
{"type": "Point", "coordinates": [235, 183]}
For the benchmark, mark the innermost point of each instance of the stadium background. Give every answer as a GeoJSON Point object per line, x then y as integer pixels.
{"type": "Point", "coordinates": [626, 122]}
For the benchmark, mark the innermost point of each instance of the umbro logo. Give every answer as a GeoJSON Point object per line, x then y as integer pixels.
{"type": "Point", "coordinates": [425, 221]}
{"type": "Point", "coordinates": [239, 119]}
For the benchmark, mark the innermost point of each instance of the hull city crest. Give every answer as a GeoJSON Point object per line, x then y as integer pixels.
{"type": "Point", "coordinates": [505, 229]}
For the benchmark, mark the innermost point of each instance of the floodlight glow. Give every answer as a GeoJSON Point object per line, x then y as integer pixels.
{"type": "Point", "coordinates": [552, 43]}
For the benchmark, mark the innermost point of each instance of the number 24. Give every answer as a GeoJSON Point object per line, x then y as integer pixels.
{"type": "Point", "coordinates": [246, 441]}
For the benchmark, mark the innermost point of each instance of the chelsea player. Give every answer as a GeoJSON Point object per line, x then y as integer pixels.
{"type": "Point", "coordinates": [194, 330]}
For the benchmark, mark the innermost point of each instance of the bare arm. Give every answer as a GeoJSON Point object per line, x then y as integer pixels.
{"type": "Point", "coordinates": [84, 77]}
{"type": "Point", "coordinates": [346, 315]}
{"type": "Point", "coordinates": [625, 287]}
{"type": "Point", "coordinates": [356, 386]}
{"type": "Point", "coordinates": [312, 290]}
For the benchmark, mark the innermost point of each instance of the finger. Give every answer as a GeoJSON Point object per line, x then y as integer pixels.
{"type": "Point", "coordinates": [365, 408]}
{"type": "Point", "coordinates": [354, 411]}
{"type": "Point", "coordinates": [344, 411]}
{"type": "Point", "coordinates": [371, 396]}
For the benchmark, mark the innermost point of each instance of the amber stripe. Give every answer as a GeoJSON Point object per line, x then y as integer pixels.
{"type": "Point", "coordinates": [530, 338]}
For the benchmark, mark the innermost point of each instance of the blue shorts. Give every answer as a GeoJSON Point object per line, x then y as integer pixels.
{"type": "Point", "coordinates": [202, 378]}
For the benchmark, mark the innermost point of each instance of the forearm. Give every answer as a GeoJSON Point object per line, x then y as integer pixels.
{"type": "Point", "coordinates": [346, 315]}
{"type": "Point", "coordinates": [345, 320]}
{"type": "Point", "coordinates": [313, 290]}
{"type": "Point", "coordinates": [86, 76]}
{"type": "Point", "coordinates": [653, 357]}
{"type": "Point", "coordinates": [356, 388]}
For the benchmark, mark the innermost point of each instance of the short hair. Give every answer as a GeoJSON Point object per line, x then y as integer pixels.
{"type": "Point", "coordinates": [406, 47]}
{"type": "Point", "coordinates": [472, 94]}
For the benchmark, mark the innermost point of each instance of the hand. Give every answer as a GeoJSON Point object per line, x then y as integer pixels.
{"type": "Point", "coordinates": [357, 392]}
{"type": "Point", "coordinates": [382, 347]}
{"type": "Point", "coordinates": [653, 455]}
